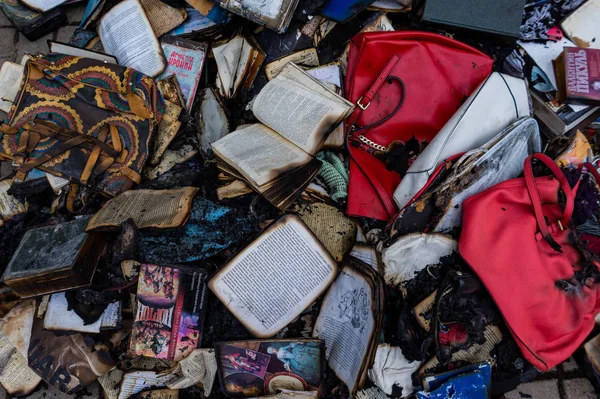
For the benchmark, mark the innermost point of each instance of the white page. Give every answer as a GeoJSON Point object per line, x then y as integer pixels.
{"type": "Point", "coordinates": [263, 156]}
{"type": "Point", "coordinates": [274, 279]}
{"type": "Point", "coordinates": [58, 317]}
{"type": "Point", "coordinates": [346, 323]}
{"type": "Point", "coordinates": [62, 48]}
{"type": "Point", "coordinates": [43, 5]}
{"type": "Point", "coordinates": [11, 75]}
{"type": "Point", "coordinates": [328, 73]}
{"type": "Point", "coordinates": [543, 54]}
{"type": "Point", "coordinates": [137, 381]}
{"type": "Point", "coordinates": [126, 33]}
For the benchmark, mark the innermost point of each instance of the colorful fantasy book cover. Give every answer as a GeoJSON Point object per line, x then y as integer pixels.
{"type": "Point", "coordinates": [185, 60]}
{"type": "Point", "coordinates": [264, 367]}
{"type": "Point", "coordinates": [170, 312]}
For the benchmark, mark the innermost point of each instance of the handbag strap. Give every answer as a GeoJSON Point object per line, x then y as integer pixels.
{"type": "Point", "coordinates": [536, 201]}
{"type": "Point", "coordinates": [365, 100]}
{"type": "Point", "coordinates": [363, 103]}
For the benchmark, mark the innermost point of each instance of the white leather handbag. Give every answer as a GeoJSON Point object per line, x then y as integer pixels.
{"type": "Point", "coordinates": [499, 101]}
{"type": "Point", "coordinates": [439, 209]}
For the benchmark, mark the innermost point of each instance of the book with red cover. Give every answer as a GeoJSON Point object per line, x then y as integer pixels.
{"type": "Point", "coordinates": [578, 75]}
{"type": "Point", "coordinates": [169, 312]}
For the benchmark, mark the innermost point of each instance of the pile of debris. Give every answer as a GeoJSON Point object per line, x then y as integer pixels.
{"type": "Point", "coordinates": [300, 198]}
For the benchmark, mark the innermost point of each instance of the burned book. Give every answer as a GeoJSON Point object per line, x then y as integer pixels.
{"type": "Point", "coordinates": [169, 312]}
{"type": "Point", "coordinates": [54, 258]}
{"type": "Point", "coordinates": [127, 34]}
{"type": "Point", "coordinates": [350, 321]}
{"type": "Point", "coordinates": [238, 63]}
{"type": "Point", "coordinates": [276, 158]}
{"type": "Point", "coordinates": [307, 58]}
{"type": "Point", "coordinates": [275, 278]}
{"type": "Point", "coordinates": [185, 59]}
{"type": "Point", "coordinates": [30, 23]}
{"type": "Point", "coordinates": [577, 73]}
{"type": "Point", "coordinates": [163, 18]}
{"type": "Point", "coordinates": [70, 362]}
{"type": "Point", "coordinates": [274, 14]}
{"type": "Point", "coordinates": [170, 90]}
{"type": "Point", "coordinates": [266, 367]}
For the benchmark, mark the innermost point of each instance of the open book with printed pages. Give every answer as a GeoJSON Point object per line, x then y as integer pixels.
{"type": "Point", "coordinates": [299, 270]}
{"type": "Point", "coordinates": [276, 157]}
{"type": "Point", "coordinates": [350, 322]}
{"type": "Point", "coordinates": [238, 63]}
{"type": "Point", "coordinates": [127, 34]}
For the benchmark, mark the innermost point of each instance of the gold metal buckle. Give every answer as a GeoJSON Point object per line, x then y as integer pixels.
{"type": "Point", "coordinates": [363, 107]}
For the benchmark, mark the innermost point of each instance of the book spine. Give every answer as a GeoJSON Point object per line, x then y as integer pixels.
{"type": "Point", "coordinates": [175, 327]}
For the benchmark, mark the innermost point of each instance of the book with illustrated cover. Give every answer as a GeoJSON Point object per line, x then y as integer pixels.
{"type": "Point", "coordinates": [266, 367]}
{"type": "Point", "coordinates": [185, 60]}
{"type": "Point", "coordinates": [169, 312]}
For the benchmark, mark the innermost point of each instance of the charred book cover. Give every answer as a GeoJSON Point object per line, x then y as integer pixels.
{"type": "Point", "coordinates": [169, 312]}
{"type": "Point", "coordinates": [578, 75]}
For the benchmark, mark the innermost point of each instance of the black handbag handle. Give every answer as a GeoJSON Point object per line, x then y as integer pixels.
{"type": "Point", "coordinates": [390, 80]}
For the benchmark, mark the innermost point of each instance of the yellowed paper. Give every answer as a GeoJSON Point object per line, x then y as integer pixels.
{"type": "Point", "coordinates": [167, 130]}
{"type": "Point", "coordinates": [420, 311]}
{"type": "Point", "coordinates": [15, 335]}
{"type": "Point", "coordinates": [305, 58]}
{"type": "Point", "coordinates": [148, 208]}
{"type": "Point", "coordinates": [9, 205]}
{"type": "Point", "coordinates": [200, 367]}
{"type": "Point", "coordinates": [169, 160]}
{"type": "Point", "coordinates": [163, 18]}
{"type": "Point", "coordinates": [235, 189]}
{"type": "Point", "coordinates": [332, 227]}
{"type": "Point", "coordinates": [110, 383]}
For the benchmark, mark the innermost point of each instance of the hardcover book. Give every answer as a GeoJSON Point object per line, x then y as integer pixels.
{"type": "Point", "coordinates": [577, 73]}
{"type": "Point", "coordinates": [169, 312]}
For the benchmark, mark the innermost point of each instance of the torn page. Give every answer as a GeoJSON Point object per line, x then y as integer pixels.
{"type": "Point", "coordinates": [137, 381]}
{"type": "Point", "coordinates": [9, 205]}
{"type": "Point", "coordinates": [367, 254]}
{"type": "Point", "coordinates": [15, 336]}
{"type": "Point", "coordinates": [15, 375]}
{"type": "Point", "coordinates": [111, 382]}
{"type": "Point", "coordinates": [200, 367]}
{"type": "Point", "coordinates": [332, 227]}
{"type": "Point", "coordinates": [161, 209]}
{"type": "Point", "coordinates": [58, 317]}
{"type": "Point", "coordinates": [11, 75]}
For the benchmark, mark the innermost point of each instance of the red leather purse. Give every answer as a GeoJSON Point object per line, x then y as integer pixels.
{"type": "Point", "coordinates": [516, 237]}
{"type": "Point", "coordinates": [405, 84]}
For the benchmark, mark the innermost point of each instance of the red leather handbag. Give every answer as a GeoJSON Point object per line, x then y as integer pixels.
{"type": "Point", "coordinates": [516, 237]}
{"type": "Point", "coordinates": [405, 84]}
